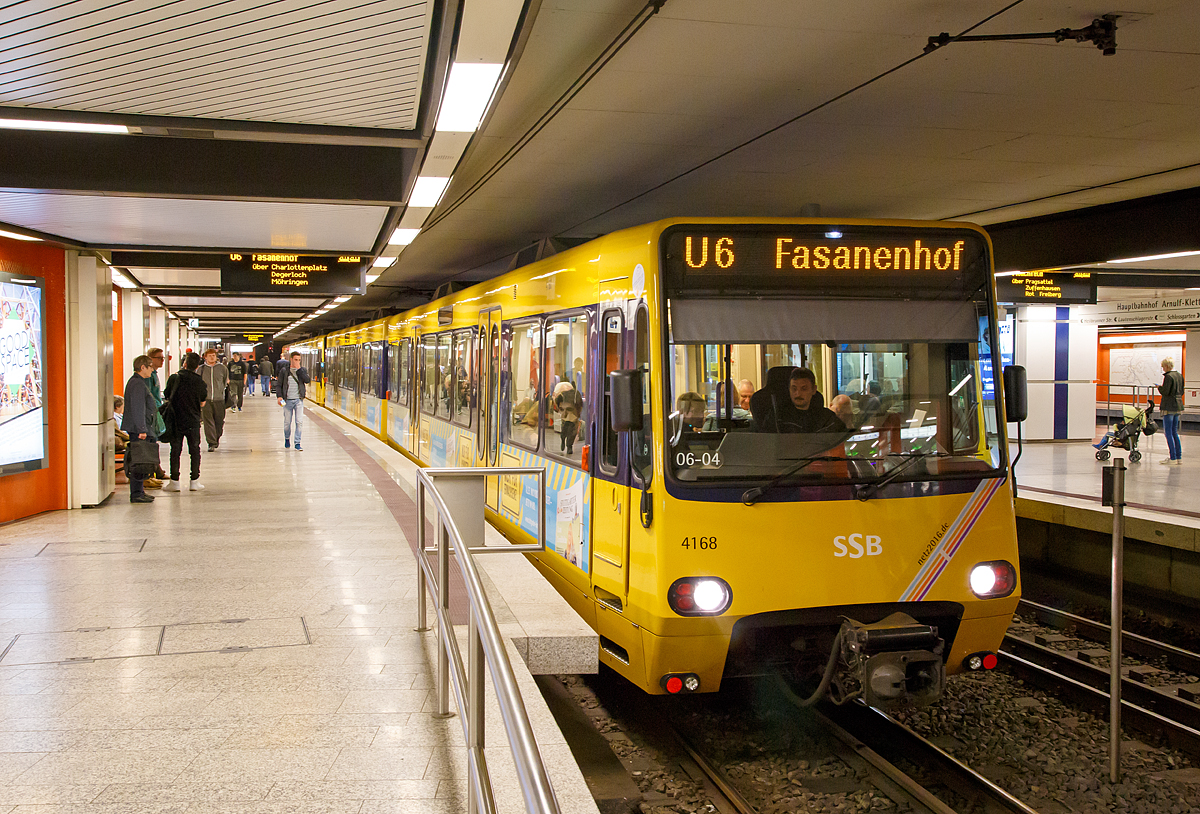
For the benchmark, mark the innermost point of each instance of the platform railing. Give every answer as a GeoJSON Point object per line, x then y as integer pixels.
{"type": "Point", "coordinates": [459, 495]}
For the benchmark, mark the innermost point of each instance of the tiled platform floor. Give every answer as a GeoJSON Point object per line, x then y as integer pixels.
{"type": "Point", "coordinates": [1068, 472]}
{"type": "Point", "coordinates": [247, 649]}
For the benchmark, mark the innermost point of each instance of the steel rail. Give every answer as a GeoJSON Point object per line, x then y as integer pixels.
{"type": "Point", "coordinates": [1144, 708]}
{"type": "Point", "coordinates": [1179, 659]}
{"type": "Point", "coordinates": [893, 740]}
{"type": "Point", "coordinates": [485, 645]}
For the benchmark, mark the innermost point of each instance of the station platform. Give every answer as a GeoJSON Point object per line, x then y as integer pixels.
{"type": "Point", "coordinates": [250, 647]}
{"type": "Point", "coordinates": [1061, 522]}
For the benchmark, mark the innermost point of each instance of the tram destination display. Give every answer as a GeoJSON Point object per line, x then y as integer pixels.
{"type": "Point", "coordinates": [281, 272]}
{"type": "Point", "coordinates": [22, 365]}
{"type": "Point", "coordinates": [1062, 287]}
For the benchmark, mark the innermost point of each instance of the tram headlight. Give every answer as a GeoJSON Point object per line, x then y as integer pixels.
{"type": "Point", "coordinates": [990, 580]}
{"type": "Point", "coordinates": [700, 596]}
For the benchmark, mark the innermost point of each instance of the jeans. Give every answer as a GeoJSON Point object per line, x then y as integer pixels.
{"type": "Point", "coordinates": [293, 409]}
{"type": "Point", "coordinates": [1171, 430]}
{"type": "Point", "coordinates": [266, 385]}
{"type": "Point", "coordinates": [193, 442]}
{"type": "Point", "coordinates": [250, 383]}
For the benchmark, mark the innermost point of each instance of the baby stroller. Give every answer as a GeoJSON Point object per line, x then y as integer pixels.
{"type": "Point", "coordinates": [1125, 433]}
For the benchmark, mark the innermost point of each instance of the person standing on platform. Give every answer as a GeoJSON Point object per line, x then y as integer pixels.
{"type": "Point", "coordinates": [187, 393]}
{"type": "Point", "coordinates": [1171, 408]}
{"type": "Point", "coordinates": [264, 373]}
{"type": "Point", "coordinates": [289, 387]}
{"type": "Point", "coordinates": [216, 380]}
{"type": "Point", "coordinates": [251, 376]}
{"type": "Point", "coordinates": [155, 384]}
{"type": "Point", "coordinates": [139, 420]}
{"type": "Point", "coordinates": [238, 370]}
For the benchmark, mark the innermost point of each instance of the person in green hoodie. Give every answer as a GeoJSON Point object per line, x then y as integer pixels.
{"type": "Point", "coordinates": [157, 357]}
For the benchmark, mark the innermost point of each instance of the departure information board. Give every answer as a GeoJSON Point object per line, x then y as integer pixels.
{"type": "Point", "coordinates": [1062, 287]}
{"type": "Point", "coordinates": [293, 273]}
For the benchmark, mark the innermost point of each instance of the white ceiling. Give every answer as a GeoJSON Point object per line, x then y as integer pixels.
{"type": "Point", "coordinates": [980, 131]}
{"type": "Point", "coordinates": [114, 220]}
{"type": "Point", "coordinates": [325, 62]}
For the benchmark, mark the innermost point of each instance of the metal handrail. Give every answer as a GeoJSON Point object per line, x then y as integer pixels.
{"type": "Point", "coordinates": [1135, 392]}
{"type": "Point", "coordinates": [485, 644]}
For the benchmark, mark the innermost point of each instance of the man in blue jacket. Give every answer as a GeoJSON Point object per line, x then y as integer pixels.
{"type": "Point", "coordinates": [289, 389]}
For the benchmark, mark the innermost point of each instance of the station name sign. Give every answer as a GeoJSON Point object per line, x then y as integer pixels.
{"type": "Point", "coordinates": [1064, 288]}
{"type": "Point", "coordinates": [293, 273]}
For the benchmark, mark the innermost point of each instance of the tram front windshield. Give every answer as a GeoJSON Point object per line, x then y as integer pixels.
{"type": "Point", "coordinates": [872, 381]}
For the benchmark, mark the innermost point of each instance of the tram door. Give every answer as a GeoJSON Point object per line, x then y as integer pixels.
{"type": "Point", "coordinates": [610, 489]}
{"type": "Point", "coordinates": [487, 358]}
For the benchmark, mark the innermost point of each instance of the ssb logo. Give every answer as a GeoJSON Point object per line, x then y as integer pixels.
{"type": "Point", "coordinates": [855, 546]}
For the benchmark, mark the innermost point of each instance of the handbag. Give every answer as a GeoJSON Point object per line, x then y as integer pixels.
{"type": "Point", "coordinates": [1151, 427]}
{"type": "Point", "coordinates": [141, 458]}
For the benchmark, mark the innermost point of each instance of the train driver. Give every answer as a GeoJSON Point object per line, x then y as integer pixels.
{"type": "Point", "coordinates": [807, 415]}
{"type": "Point", "coordinates": [691, 407]}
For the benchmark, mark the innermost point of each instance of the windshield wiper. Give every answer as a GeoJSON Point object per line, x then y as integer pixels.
{"type": "Point", "coordinates": [751, 496]}
{"type": "Point", "coordinates": [865, 493]}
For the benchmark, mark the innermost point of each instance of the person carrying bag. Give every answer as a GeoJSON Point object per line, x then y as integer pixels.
{"type": "Point", "coordinates": [141, 422]}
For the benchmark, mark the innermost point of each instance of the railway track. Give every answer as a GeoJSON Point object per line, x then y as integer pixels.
{"type": "Point", "coordinates": [1167, 710]}
{"type": "Point", "coordinates": [872, 743]}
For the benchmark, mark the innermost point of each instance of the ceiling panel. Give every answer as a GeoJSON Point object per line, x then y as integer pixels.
{"type": "Point", "coordinates": [176, 277]}
{"type": "Point", "coordinates": [328, 62]}
{"type": "Point", "coordinates": [101, 220]}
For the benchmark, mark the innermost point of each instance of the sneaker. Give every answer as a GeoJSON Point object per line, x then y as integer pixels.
{"type": "Point", "coordinates": [195, 486]}
{"type": "Point", "coordinates": [152, 483]}
{"type": "Point", "coordinates": [142, 498]}
{"type": "Point", "coordinates": [287, 443]}
{"type": "Point", "coordinates": [212, 448]}
{"type": "Point", "coordinates": [1176, 462]}
{"type": "Point", "coordinates": [298, 447]}
{"type": "Point", "coordinates": [1166, 461]}
{"type": "Point", "coordinates": [172, 486]}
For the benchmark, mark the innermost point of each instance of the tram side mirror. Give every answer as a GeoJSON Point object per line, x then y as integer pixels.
{"type": "Point", "coordinates": [625, 391]}
{"type": "Point", "coordinates": [1016, 394]}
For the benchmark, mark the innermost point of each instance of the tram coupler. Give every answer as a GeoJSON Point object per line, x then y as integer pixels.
{"type": "Point", "coordinates": [895, 661]}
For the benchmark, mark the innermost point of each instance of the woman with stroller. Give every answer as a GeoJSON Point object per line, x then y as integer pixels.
{"type": "Point", "coordinates": [1171, 408]}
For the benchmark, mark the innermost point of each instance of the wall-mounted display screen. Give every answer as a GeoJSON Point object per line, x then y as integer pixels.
{"type": "Point", "coordinates": [23, 427]}
{"type": "Point", "coordinates": [293, 273]}
{"type": "Point", "coordinates": [1063, 288]}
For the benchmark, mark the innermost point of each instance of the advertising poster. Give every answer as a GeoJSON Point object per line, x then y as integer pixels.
{"type": "Point", "coordinates": [22, 432]}
{"type": "Point", "coordinates": [568, 527]}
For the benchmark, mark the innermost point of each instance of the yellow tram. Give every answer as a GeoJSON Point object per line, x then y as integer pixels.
{"type": "Point", "coordinates": [704, 513]}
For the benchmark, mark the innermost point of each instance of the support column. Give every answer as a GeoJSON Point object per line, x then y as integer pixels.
{"type": "Point", "coordinates": [133, 328]}
{"type": "Point", "coordinates": [90, 380]}
{"type": "Point", "coordinates": [158, 329]}
{"type": "Point", "coordinates": [1059, 352]}
{"type": "Point", "coordinates": [174, 348]}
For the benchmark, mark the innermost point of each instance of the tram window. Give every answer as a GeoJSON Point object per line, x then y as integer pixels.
{"type": "Point", "coordinates": [493, 396]}
{"type": "Point", "coordinates": [611, 338]}
{"type": "Point", "coordinates": [566, 386]}
{"type": "Point", "coordinates": [463, 384]}
{"type": "Point", "coordinates": [445, 376]}
{"type": "Point", "coordinates": [401, 383]}
{"type": "Point", "coordinates": [642, 441]}
{"type": "Point", "coordinates": [429, 387]}
{"type": "Point", "coordinates": [525, 391]}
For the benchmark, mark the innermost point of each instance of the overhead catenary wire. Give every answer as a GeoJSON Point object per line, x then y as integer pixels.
{"type": "Point", "coordinates": [792, 120]}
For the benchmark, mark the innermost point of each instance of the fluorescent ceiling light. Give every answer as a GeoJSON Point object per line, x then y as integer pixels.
{"type": "Point", "coordinates": [121, 280]}
{"type": "Point", "coordinates": [63, 127]}
{"type": "Point", "coordinates": [468, 92]}
{"type": "Point", "coordinates": [16, 236]}
{"type": "Point", "coordinates": [383, 262]}
{"type": "Point", "coordinates": [342, 298]}
{"type": "Point", "coordinates": [153, 302]}
{"type": "Point", "coordinates": [1142, 340]}
{"type": "Point", "coordinates": [372, 278]}
{"type": "Point", "coordinates": [402, 237]}
{"type": "Point", "coordinates": [1136, 259]}
{"type": "Point", "coordinates": [428, 190]}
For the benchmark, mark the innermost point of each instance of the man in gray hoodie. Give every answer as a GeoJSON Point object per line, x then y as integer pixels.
{"type": "Point", "coordinates": [216, 380]}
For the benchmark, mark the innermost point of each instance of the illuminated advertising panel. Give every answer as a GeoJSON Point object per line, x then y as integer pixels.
{"type": "Point", "coordinates": [23, 429]}
{"type": "Point", "coordinates": [283, 273]}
